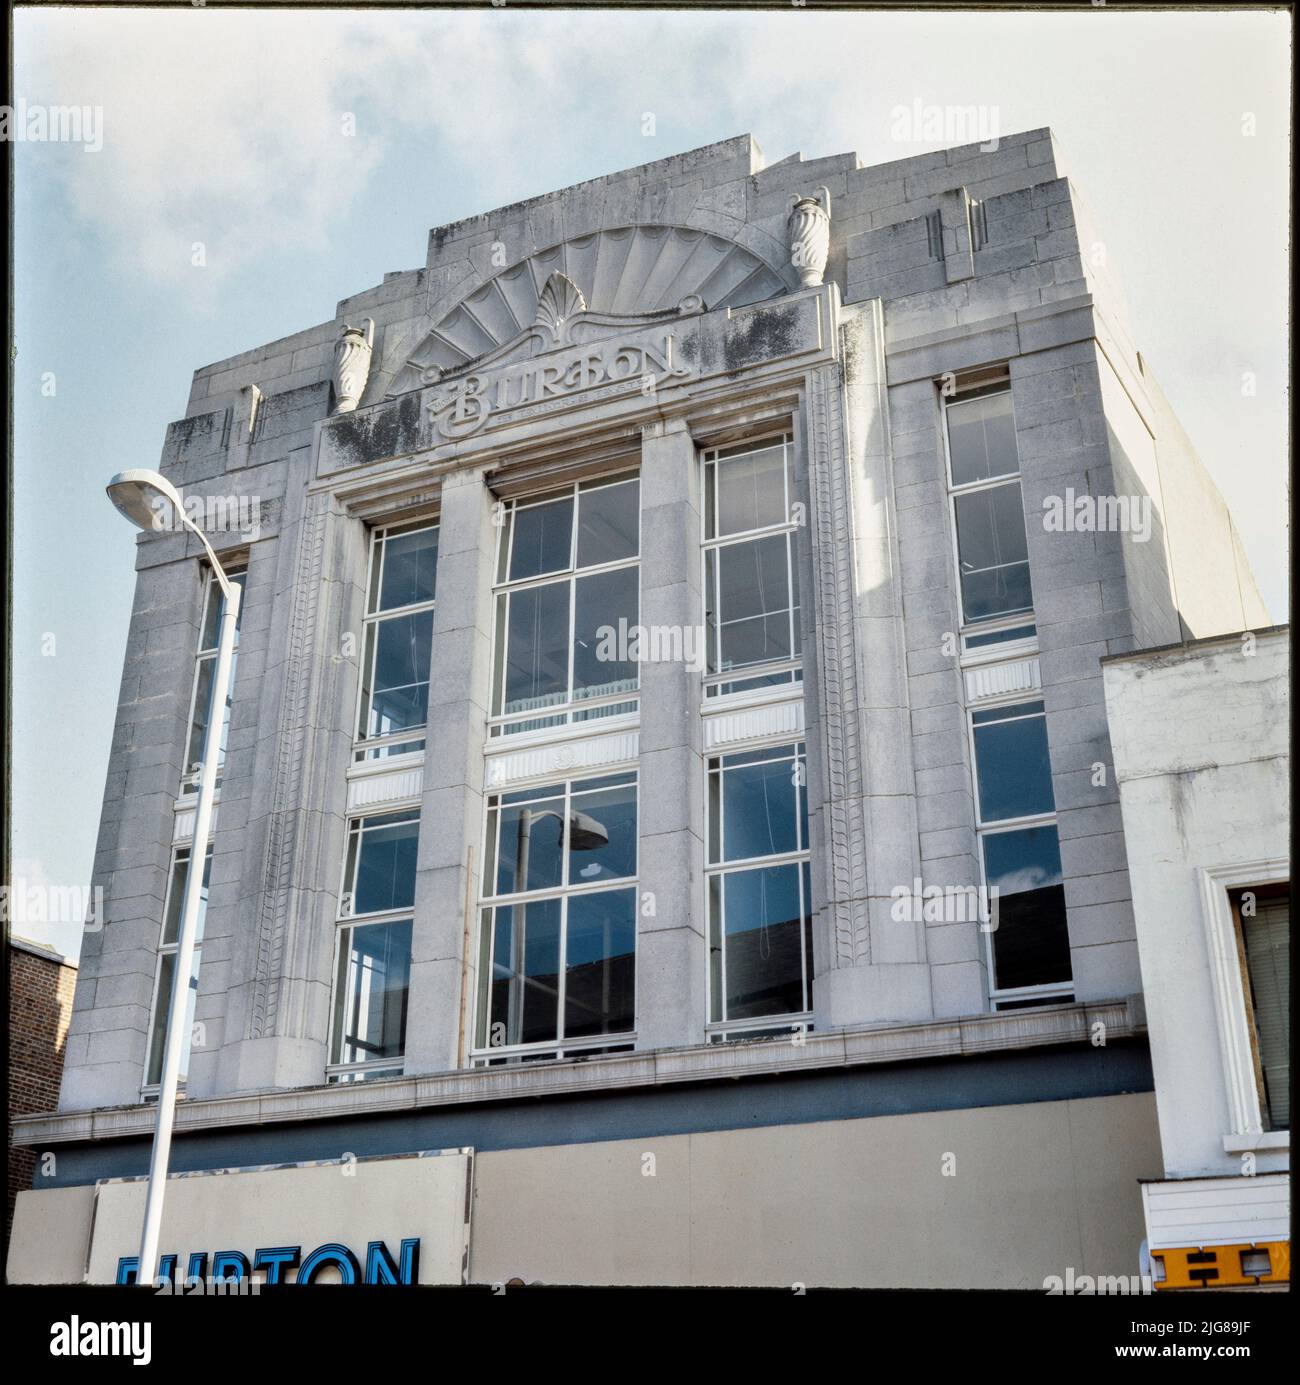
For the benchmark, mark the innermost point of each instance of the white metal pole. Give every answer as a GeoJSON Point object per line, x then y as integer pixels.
{"type": "Point", "coordinates": [174, 1042]}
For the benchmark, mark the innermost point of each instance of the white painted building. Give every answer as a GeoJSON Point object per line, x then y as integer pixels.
{"type": "Point", "coordinates": [1201, 735]}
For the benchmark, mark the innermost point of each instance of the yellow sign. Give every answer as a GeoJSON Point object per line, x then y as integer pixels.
{"type": "Point", "coordinates": [1224, 1267]}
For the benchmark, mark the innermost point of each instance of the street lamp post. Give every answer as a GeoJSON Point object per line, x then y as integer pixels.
{"type": "Point", "coordinates": [137, 494]}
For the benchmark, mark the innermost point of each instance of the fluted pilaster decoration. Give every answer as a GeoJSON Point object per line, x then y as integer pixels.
{"type": "Point", "coordinates": [809, 226]}
{"type": "Point", "coordinates": [832, 498]}
{"type": "Point", "coordinates": [352, 365]}
{"type": "Point", "coordinates": [297, 708]}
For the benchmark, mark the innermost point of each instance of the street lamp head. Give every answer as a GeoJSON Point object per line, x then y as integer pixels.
{"type": "Point", "coordinates": [137, 494]}
{"type": "Point", "coordinates": [585, 833]}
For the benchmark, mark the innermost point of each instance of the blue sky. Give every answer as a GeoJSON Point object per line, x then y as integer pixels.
{"type": "Point", "coordinates": [226, 127]}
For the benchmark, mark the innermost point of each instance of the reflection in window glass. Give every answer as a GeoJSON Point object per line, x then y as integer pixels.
{"type": "Point", "coordinates": [537, 647]}
{"type": "Point", "coordinates": [603, 603]}
{"type": "Point", "coordinates": [1012, 769]}
{"type": "Point", "coordinates": [751, 596]}
{"type": "Point", "coordinates": [992, 554]}
{"type": "Point", "coordinates": [750, 490]}
{"type": "Point", "coordinates": [562, 632]}
{"type": "Point", "coordinates": [981, 438]}
{"type": "Point", "coordinates": [371, 990]}
{"type": "Point", "coordinates": [760, 955]}
{"type": "Point", "coordinates": [1031, 944]}
{"type": "Point", "coordinates": [559, 965]}
{"type": "Point", "coordinates": [374, 958]}
{"type": "Point", "coordinates": [609, 524]}
{"type": "Point", "coordinates": [205, 669]}
{"type": "Point", "coordinates": [542, 538]}
{"type": "Point", "coordinates": [992, 551]}
{"type": "Point", "coordinates": [398, 648]}
{"type": "Point", "coordinates": [600, 964]}
{"type": "Point", "coordinates": [381, 862]}
{"type": "Point", "coordinates": [166, 966]}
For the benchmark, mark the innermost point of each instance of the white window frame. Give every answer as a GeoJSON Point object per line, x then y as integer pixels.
{"type": "Point", "coordinates": [1053, 992]}
{"type": "Point", "coordinates": [1228, 984]}
{"type": "Point", "coordinates": [572, 714]}
{"type": "Point", "coordinates": [149, 1090]}
{"type": "Point", "coordinates": [1005, 620]}
{"type": "Point", "coordinates": [709, 545]}
{"type": "Point", "coordinates": [346, 919]}
{"type": "Point", "coordinates": [236, 570]}
{"type": "Point", "coordinates": [369, 749]}
{"type": "Point", "coordinates": [480, 1055]}
{"type": "Point", "coordinates": [795, 1021]}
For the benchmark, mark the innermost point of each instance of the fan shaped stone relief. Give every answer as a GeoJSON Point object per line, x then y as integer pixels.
{"type": "Point", "coordinates": [560, 300]}
{"type": "Point", "coordinates": [635, 271]}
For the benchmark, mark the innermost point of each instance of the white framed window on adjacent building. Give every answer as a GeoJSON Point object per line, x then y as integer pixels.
{"type": "Point", "coordinates": [205, 669]}
{"type": "Point", "coordinates": [759, 889]}
{"type": "Point", "coordinates": [372, 962]}
{"type": "Point", "coordinates": [990, 549]}
{"type": "Point", "coordinates": [557, 922]}
{"type": "Point", "coordinates": [567, 599]}
{"type": "Point", "coordinates": [165, 968]}
{"type": "Point", "coordinates": [397, 646]}
{"type": "Point", "coordinates": [751, 588]}
{"type": "Point", "coordinates": [1027, 940]}
{"type": "Point", "coordinates": [1247, 919]}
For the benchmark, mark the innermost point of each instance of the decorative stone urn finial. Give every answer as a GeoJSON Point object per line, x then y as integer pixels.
{"type": "Point", "coordinates": [810, 237]}
{"type": "Point", "coordinates": [352, 365]}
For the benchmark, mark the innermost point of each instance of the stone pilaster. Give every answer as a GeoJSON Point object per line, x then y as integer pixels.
{"type": "Point", "coordinates": [277, 1020]}
{"type": "Point", "coordinates": [863, 828]}
{"type": "Point", "coordinates": [440, 1011]}
{"type": "Point", "coordinates": [671, 926]}
{"type": "Point", "coordinates": [107, 1035]}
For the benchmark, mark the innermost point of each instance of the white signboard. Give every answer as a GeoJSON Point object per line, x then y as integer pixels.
{"type": "Point", "coordinates": [383, 1220]}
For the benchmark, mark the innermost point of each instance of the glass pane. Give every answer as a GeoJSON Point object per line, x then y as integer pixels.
{"type": "Point", "coordinates": [806, 872]}
{"type": "Point", "coordinates": [611, 814]}
{"type": "Point", "coordinates": [176, 898]}
{"type": "Point", "coordinates": [600, 964]}
{"type": "Point", "coordinates": [537, 648]}
{"type": "Point", "coordinates": [542, 538]}
{"type": "Point", "coordinates": [716, 1012]}
{"type": "Point", "coordinates": [606, 608]}
{"type": "Point", "coordinates": [410, 569]}
{"type": "Point", "coordinates": [1013, 768]}
{"type": "Point", "coordinates": [759, 810]}
{"type": "Point", "coordinates": [370, 1001]}
{"type": "Point", "coordinates": [608, 523]}
{"type": "Point", "coordinates": [213, 607]}
{"type": "Point", "coordinates": [1031, 944]}
{"type": "Point", "coordinates": [751, 491]}
{"type": "Point", "coordinates": [399, 700]}
{"type": "Point", "coordinates": [385, 876]}
{"type": "Point", "coordinates": [531, 834]}
{"type": "Point", "coordinates": [982, 439]}
{"type": "Point", "coordinates": [526, 974]}
{"type": "Point", "coordinates": [166, 975]}
{"type": "Point", "coordinates": [764, 942]}
{"type": "Point", "coordinates": [992, 552]}
{"type": "Point", "coordinates": [754, 602]}
{"type": "Point", "coordinates": [205, 675]}
{"type": "Point", "coordinates": [1268, 961]}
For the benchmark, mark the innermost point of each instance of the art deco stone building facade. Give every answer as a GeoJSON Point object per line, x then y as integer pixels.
{"type": "Point", "coordinates": [653, 595]}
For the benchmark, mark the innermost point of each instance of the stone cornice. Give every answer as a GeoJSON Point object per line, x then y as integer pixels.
{"type": "Point", "coordinates": [842, 1048]}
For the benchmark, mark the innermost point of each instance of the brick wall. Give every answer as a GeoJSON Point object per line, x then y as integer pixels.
{"type": "Point", "coordinates": [40, 1005]}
